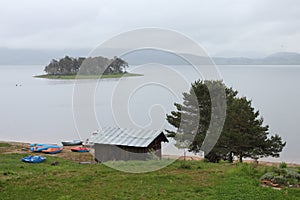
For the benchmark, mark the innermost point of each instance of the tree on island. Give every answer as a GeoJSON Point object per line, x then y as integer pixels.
{"type": "Point", "coordinates": [86, 66]}
{"type": "Point", "coordinates": [243, 134]}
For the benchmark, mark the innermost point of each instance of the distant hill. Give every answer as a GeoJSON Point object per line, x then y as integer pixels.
{"type": "Point", "coordinates": [35, 56]}
{"type": "Point", "coordinates": [283, 58]}
{"type": "Point", "coordinates": [148, 56]}
{"type": "Point", "coordinates": [280, 58]}
{"type": "Point", "coordinates": [43, 57]}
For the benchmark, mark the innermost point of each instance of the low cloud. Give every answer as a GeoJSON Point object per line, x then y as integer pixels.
{"type": "Point", "coordinates": [223, 27]}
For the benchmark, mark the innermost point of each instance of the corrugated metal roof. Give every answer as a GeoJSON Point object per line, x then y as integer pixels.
{"type": "Point", "coordinates": [126, 137]}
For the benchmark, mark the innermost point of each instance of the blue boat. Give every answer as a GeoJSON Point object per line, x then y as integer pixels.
{"type": "Point", "coordinates": [53, 150]}
{"type": "Point", "coordinates": [34, 159]}
{"type": "Point", "coordinates": [41, 147]}
{"type": "Point", "coordinates": [37, 144]}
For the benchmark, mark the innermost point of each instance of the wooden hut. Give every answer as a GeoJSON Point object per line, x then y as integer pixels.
{"type": "Point", "coordinates": [127, 144]}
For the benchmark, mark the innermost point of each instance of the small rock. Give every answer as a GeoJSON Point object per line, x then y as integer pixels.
{"type": "Point", "coordinates": [54, 163]}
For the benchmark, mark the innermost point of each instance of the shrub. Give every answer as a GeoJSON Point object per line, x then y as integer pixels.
{"type": "Point", "coordinates": [292, 181]}
{"type": "Point", "coordinates": [291, 173]}
{"type": "Point", "coordinates": [279, 171]}
{"type": "Point", "coordinates": [282, 176]}
{"type": "Point", "coordinates": [281, 180]}
{"type": "Point", "coordinates": [268, 176]}
{"type": "Point", "coordinates": [283, 165]}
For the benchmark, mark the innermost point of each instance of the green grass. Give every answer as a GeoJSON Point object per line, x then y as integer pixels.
{"type": "Point", "coordinates": [180, 180]}
{"type": "Point", "coordinates": [5, 144]}
{"type": "Point", "coordinates": [70, 77]}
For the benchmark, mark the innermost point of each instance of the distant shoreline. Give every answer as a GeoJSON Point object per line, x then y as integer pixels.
{"type": "Point", "coordinates": [75, 76]}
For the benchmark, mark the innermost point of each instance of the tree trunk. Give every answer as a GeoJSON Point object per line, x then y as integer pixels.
{"type": "Point", "coordinates": [241, 157]}
{"type": "Point", "coordinates": [256, 162]}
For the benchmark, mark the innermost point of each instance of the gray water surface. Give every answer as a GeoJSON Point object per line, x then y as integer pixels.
{"type": "Point", "coordinates": [40, 110]}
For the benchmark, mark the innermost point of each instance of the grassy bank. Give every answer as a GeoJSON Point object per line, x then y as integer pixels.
{"type": "Point", "coordinates": [70, 77]}
{"type": "Point", "coordinates": [69, 180]}
{"type": "Point", "coordinates": [180, 180]}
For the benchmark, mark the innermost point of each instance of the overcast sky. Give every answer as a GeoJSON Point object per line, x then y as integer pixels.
{"type": "Point", "coordinates": [223, 27]}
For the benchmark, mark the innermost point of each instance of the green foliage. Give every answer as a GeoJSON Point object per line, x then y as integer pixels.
{"type": "Point", "coordinates": [283, 165]}
{"type": "Point", "coordinates": [243, 134]}
{"type": "Point", "coordinates": [69, 77]}
{"type": "Point", "coordinates": [282, 176]}
{"type": "Point", "coordinates": [268, 176]}
{"type": "Point", "coordinates": [292, 173]}
{"type": "Point", "coordinates": [5, 145]}
{"type": "Point", "coordinates": [281, 180]}
{"type": "Point", "coordinates": [86, 66]}
{"type": "Point", "coordinates": [238, 183]}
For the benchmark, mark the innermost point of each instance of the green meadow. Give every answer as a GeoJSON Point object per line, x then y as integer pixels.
{"type": "Point", "coordinates": [180, 180]}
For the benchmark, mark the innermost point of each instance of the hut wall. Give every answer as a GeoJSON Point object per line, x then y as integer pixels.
{"type": "Point", "coordinates": [105, 152]}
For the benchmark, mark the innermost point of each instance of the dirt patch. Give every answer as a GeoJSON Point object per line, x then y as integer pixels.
{"type": "Point", "coordinates": [175, 157]}
{"type": "Point", "coordinates": [276, 164]}
{"type": "Point", "coordinates": [21, 148]}
{"type": "Point", "coordinates": [13, 147]}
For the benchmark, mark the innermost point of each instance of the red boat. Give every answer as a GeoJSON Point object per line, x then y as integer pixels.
{"type": "Point", "coordinates": [52, 150]}
{"type": "Point", "coordinates": [80, 149]}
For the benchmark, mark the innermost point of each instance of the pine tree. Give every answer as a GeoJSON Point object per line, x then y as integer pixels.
{"type": "Point", "coordinates": [243, 134]}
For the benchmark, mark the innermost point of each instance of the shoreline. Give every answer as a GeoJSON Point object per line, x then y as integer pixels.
{"type": "Point", "coordinates": [75, 76]}
{"type": "Point", "coordinates": [24, 145]}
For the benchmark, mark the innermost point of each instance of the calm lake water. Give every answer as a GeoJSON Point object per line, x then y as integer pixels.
{"type": "Point", "coordinates": [41, 110]}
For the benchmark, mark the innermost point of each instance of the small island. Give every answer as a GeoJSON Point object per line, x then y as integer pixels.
{"type": "Point", "coordinates": [86, 68]}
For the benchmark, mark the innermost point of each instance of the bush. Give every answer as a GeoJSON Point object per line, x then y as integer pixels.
{"type": "Point", "coordinates": [282, 176]}
{"type": "Point", "coordinates": [281, 180]}
{"type": "Point", "coordinates": [283, 165]}
{"type": "Point", "coordinates": [279, 171]}
{"type": "Point", "coordinates": [291, 173]}
{"type": "Point", "coordinates": [292, 181]}
{"type": "Point", "coordinates": [268, 176]}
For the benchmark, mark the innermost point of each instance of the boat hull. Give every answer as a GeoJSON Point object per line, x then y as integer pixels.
{"type": "Point", "coordinates": [80, 149]}
{"type": "Point", "coordinates": [41, 148]}
{"type": "Point", "coordinates": [34, 159]}
{"type": "Point", "coordinates": [52, 150]}
{"type": "Point", "coordinates": [72, 143]}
